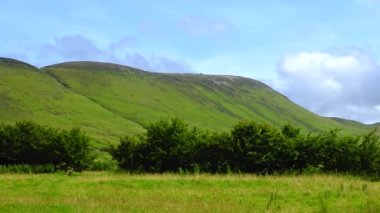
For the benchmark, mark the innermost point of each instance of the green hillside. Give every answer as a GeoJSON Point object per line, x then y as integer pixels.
{"type": "Point", "coordinates": [28, 93]}
{"type": "Point", "coordinates": [109, 100]}
{"type": "Point", "coordinates": [212, 102]}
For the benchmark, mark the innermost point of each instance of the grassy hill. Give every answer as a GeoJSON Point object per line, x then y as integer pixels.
{"type": "Point", "coordinates": [28, 93]}
{"type": "Point", "coordinates": [109, 100]}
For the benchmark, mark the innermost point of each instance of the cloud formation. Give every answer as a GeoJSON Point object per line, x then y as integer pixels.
{"type": "Point", "coordinates": [123, 43]}
{"type": "Point", "coordinates": [79, 48]}
{"type": "Point", "coordinates": [340, 85]}
{"type": "Point", "coordinates": [73, 47]}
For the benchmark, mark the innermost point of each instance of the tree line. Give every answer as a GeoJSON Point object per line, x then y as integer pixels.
{"type": "Point", "coordinates": [27, 145]}
{"type": "Point", "coordinates": [172, 146]}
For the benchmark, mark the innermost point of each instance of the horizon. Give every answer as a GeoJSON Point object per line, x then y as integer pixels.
{"type": "Point", "coordinates": [323, 55]}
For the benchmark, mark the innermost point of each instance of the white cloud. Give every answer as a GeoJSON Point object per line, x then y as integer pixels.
{"type": "Point", "coordinates": [341, 85]}
{"type": "Point", "coordinates": [318, 62]}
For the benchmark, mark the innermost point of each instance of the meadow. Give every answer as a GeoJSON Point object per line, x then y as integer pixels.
{"type": "Point", "coordinates": [123, 192]}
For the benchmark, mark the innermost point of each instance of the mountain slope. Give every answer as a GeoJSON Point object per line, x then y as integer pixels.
{"type": "Point", "coordinates": [27, 93]}
{"type": "Point", "coordinates": [109, 101]}
{"type": "Point", "coordinates": [212, 102]}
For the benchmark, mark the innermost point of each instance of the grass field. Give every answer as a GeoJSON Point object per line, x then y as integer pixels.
{"type": "Point", "coordinates": [112, 192]}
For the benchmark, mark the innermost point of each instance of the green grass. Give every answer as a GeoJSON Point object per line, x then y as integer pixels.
{"type": "Point", "coordinates": [29, 94]}
{"type": "Point", "coordinates": [209, 102]}
{"type": "Point", "coordinates": [110, 192]}
{"type": "Point", "coordinates": [110, 101]}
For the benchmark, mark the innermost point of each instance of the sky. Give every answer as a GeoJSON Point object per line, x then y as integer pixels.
{"type": "Point", "coordinates": [324, 55]}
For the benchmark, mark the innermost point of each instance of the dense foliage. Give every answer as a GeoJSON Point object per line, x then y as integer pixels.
{"type": "Point", "coordinates": [27, 143]}
{"type": "Point", "coordinates": [171, 145]}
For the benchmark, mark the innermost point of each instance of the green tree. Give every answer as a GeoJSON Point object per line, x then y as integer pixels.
{"type": "Point", "coordinates": [370, 153]}
{"type": "Point", "coordinates": [29, 143]}
{"type": "Point", "coordinates": [73, 149]}
{"type": "Point", "coordinates": [260, 148]}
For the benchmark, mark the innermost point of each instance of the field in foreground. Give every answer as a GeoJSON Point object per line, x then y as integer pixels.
{"type": "Point", "coordinates": [110, 192]}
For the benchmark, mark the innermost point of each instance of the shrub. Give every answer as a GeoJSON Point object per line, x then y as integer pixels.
{"type": "Point", "coordinates": [102, 161]}
{"type": "Point", "coordinates": [172, 146]}
{"type": "Point", "coordinates": [23, 168]}
{"type": "Point", "coordinates": [32, 144]}
{"type": "Point", "coordinates": [261, 148]}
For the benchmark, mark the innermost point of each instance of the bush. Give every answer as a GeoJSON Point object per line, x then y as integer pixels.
{"type": "Point", "coordinates": [215, 154]}
{"type": "Point", "coordinates": [369, 153]}
{"type": "Point", "coordinates": [103, 162]}
{"type": "Point", "coordinates": [22, 169]}
{"type": "Point", "coordinates": [261, 148]}
{"type": "Point", "coordinates": [172, 146]}
{"type": "Point", "coordinates": [129, 154]}
{"type": "Point", "coordinates": [27, 143]}
{"type": "Point", "coordinates": [167, 145]}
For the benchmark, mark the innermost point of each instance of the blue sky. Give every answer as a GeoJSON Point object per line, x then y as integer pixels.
{"type": "Point", "coordinates": [315, 52]}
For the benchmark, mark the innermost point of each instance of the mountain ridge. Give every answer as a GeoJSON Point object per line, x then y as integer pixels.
{"type": "Point", "coordinates": [203, 79]}
{"type": "Point", "coordinates": [110, 100]}
{"type": "Point", "coordinates": [15, 62]}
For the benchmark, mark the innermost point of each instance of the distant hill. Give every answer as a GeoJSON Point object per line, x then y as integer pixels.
{"type": "Point", "coordinates": [351, 123]}
{"type": "Point", "coordinates": [110, 100]}
{"type": "Point", "coordinates": [375, 125]}
{"type": "Point", "coordinates": [28, 93]}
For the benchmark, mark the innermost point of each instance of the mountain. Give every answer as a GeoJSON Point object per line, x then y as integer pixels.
{"type": "Point", "coordinates": [28, 93]}
{"type": "Point", "coordinates": [351, 123]}
{"type": "Point", "coordinates": [109, 100]}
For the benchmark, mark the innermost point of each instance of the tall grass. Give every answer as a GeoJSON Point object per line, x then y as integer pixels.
{"type": "Point", "coordinates": [122, 192]}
